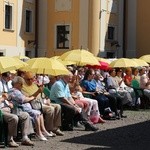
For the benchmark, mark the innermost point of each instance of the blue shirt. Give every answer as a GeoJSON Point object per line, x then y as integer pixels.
{"type": "Point", "coordinates": [59, 90]}
{"type": "Point", "coordinates": [89, 85]}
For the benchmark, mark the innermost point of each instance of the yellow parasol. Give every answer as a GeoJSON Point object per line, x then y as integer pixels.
{"type": "Point", "coordinates": [140, 62]}
{"type": "Point", "coordinates": [145, 58]}
{"type": "Point", "coordinates": [8, 64]}
{"type": "Point", "coordinates": [123, 63]}
{"type": "Point", "coordinates": [64, 62]}
{"type": "Point", "coordinates": [80, 57]}
{"type": "Point", "coordinates": [45, 65]}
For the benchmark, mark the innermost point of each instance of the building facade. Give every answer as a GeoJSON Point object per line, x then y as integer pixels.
{"type": "Point", "coordinates": [94, 25]}
{"type": "Point", "coordinates": [137, 28]}
{"type": "Point", "coordinates": [107, 28]}
{"type": "Point", "coordinates": [17, 27]}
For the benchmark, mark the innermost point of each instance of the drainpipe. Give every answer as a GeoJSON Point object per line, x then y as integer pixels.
{"type": "Point", "coordinates": [36, 26]}
{"type": "Point", "coordinates": [124, 28]}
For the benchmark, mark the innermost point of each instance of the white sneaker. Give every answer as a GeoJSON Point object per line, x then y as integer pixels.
{"type": "Point", "coordinates": [138, 101]}
{"type": "Point", "coordinates": [42, 138]}
{"type": "Point", "coordinates": [51, 134]}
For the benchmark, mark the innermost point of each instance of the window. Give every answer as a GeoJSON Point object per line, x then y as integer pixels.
{"type": "Point", "coordinates": [28, 21]}
{"type": "Point", "coordinates": [1, 54]}
{"type": "Point", "coordinates": [8, 17]}
{"type": "Point", "coordinates": [110, 55]}
{"type": "Point", "coordinates": [111, 33]}
{"type": "Point", "coordinates": [63, 34]}
{"type": "Point", "coordinates": [28, 53]}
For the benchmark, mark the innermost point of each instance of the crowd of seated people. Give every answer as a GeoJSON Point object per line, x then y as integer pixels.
{"type": "Point", "coordinates": [71, 99]}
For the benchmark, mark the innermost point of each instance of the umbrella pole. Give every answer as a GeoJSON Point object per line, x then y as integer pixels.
{"type": "Point", "coordinates": [43, 76]}
{"type": "Point", "coordinates": [43, 83]}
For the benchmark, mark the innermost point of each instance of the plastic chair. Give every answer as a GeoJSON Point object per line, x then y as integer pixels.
{"type": "Point", "coordinates": [46, 91]}
{"type": "Point", "coordinates": [139, 92]}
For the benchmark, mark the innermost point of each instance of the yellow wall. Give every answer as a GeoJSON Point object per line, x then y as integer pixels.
{"type": "Point", "coordinates": [28, 36]}
{"type": "Point", "coordinates": [8, 37]}
{"type": "Point", "coordinates": [143, 27]}
{"type": "Point", "coordinates": [62, 17]}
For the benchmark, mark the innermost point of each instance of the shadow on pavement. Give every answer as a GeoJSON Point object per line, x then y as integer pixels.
{"type": "Point", "coordinates": [132, 137]}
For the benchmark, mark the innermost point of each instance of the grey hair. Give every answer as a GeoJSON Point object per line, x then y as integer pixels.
{"type": "Point", "coordinates": [17, 79]}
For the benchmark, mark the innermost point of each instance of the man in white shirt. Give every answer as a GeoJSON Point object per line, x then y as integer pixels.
{"type": "Point", "coordinates": [5, 82]}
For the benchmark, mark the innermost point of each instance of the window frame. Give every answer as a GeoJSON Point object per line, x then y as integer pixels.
{"type": "Point", "coordinates": [31, 25]}
{"type": "Point", "coordinates": [56, 37]}
{"type": "Point", "coordinates": [114, 33]}
{"type": "Point", "coordinates": [12, 16]}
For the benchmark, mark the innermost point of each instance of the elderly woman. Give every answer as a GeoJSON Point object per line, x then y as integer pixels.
{"type": "Point", "coordinates": [21, 101]}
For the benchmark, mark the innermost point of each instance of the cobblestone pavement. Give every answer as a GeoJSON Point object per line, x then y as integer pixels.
{"type": "Point", "coordinates": [131, 133]}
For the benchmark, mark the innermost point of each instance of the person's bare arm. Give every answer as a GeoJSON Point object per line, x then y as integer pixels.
{"type": "Point", "coordinates": [86, 92]}
{"type": "Point", "coordinates": [38, 91]}
{"type": "Point", "coordinates": [28, 99]}
{"type": "Point", "coordinates": [2, 99]}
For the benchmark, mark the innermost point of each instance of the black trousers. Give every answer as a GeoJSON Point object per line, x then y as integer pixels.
{"type": "Point", "coordinates": [115, 103]}
{"type": "Point", "coordinates": [103, 102]}
{"type": "Point", "coordinates": [69, 115]}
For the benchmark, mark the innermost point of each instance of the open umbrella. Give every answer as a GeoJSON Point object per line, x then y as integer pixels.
{"type": "Point", "coordinates": [123, 63]}
{"type": "Point", "coordinates": [101, 66]}
{"type": "Point", "coordinates": [140, 62]}
{"type": "Point", "coordinates": [64, 62]}
{"type": "Point", "coordinates": [80, 56]}
{"type": "Point", "coordinates": [145, 58]}
{"type": "Point", "coordinates": [45, 65]}
{"type": "Point", "coordinates": [8, 64]}
{"type": "Point", "coordinates": [23, 64]}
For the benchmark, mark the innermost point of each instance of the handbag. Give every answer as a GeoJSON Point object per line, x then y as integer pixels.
{"type": "Point", "coordinates": [94, 116]}
{"type": "Point", "coordinates": [36, 104]}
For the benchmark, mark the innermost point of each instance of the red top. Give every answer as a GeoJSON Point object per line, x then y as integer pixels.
{"type": "Point", "coordinates": [128, 77]}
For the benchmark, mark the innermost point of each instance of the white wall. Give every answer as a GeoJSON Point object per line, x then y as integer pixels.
{"type": "Point", "coordinates": [103, 24]}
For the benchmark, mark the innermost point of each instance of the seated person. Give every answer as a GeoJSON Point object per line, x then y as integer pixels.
{"type": "Point", "coordinates": [52, 113]}
{"type": "Point", "coordinates": [145, 83]}
{"type": "Point", "coordinates": [5, 82]}
{"type": "Point", "coordinates": [60, 93]}
{"type": "Point", "coordinates": [89, 86]}
{"type": "Point", "coordinates": [21, 100]}
{"type": "Point", "coordinates": [119, 78]}
{"type": "Point", "coordinates": [128, 76]}
{"type": "Point", "coordinates": [115, 89]}
{"type": "Point", "coordinates": [93, 104]}
{"type": "Point", "coordinates": [115, 101]}
{"type": "Point", "coordinates": [12, 121]}
{"type": "Point", "coordinates": [80, 102]}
